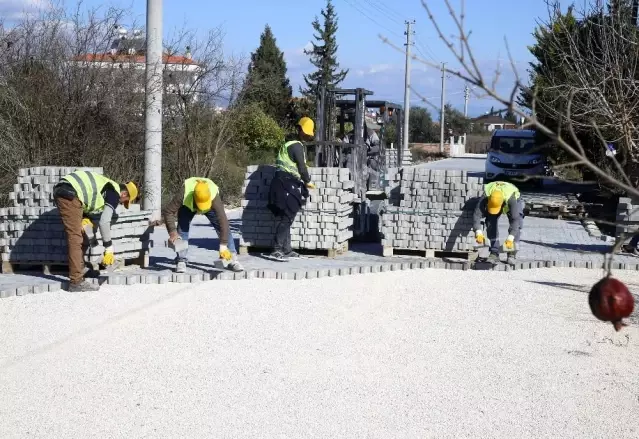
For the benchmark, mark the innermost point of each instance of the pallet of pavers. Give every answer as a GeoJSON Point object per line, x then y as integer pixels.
{"type": "Point", "coordinates": [430, 213]}
{"type": "Point", "coordinates": [324, 225]}
{"type": "Point", "coordinates": [32, 234]}
{"type": "Point", "coordinates": [554, 206]}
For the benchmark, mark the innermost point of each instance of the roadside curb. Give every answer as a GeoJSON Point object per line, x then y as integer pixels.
{"type": "Point", "coordinates": [206, 276]}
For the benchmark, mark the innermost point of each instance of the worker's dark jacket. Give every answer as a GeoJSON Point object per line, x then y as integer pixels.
{"type": "Point", "coordinates": [287, 192]}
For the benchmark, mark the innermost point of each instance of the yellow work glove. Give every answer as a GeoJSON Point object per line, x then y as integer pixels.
{"type": "Point", "coordinates": [109, 257]}
{"type": "Point", "coordinates": [479, 237]}
{"type": "Point", "coordinates": [310, 185]}
{"type": "Point", "coordinates": [225, 253]}
{"type": "Point", "coordinates": [510, 242]}
{"type": "Point", "coordinates": [86, 222]}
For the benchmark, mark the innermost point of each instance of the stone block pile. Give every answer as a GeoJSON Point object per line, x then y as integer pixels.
{"type": "Point", "coordinates": [430, 209]}
{"type": "Point", "coordinates": [324, 223]}
{"type": "Point", "coordinates": [35, 185]}
{"type": "Point", "coordinates": [391, 157]}
{"type": "Point", "coordinates": [627, 217]}
{"type": "Point", "coordinates": [31, 232]}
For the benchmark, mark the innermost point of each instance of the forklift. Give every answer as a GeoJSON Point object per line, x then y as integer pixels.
{"type": "Point", "coordinates": [336, 107]}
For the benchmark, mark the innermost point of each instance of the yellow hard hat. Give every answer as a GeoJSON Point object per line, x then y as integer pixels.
{"type": "Point", "coordinates": [495, 202]}
{"type": "Point", "coordinates": [132, 189]}
{"type": "Point", "coordinates": [202, 196]}
{"type": "Point", "coordinates": [307, 125]}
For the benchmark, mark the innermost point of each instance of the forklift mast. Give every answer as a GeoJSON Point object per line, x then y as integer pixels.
{"type": "Point", "coordinates": [333, 111]}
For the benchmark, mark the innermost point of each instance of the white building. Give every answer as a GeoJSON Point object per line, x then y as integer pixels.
{"type": "Point", "coordinates": [128, 55]}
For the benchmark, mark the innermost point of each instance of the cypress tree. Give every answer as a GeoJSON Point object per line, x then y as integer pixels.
{"type": "Point", "coordinates": [266, 83]}
{"type": "Point", "coordinates": [323, 54]}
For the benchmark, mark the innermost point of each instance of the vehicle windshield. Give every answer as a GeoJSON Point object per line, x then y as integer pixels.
{"type": "Point", "coordinates": [512, 145]}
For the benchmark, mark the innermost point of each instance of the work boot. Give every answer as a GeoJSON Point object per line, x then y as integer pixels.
{"type": "Point", "coordinates": [292, 255]}
{"type": "Point", "coordinates": [278, 256]}
{"type": "Point", "coordinates": [493, 258]}
{"type": "Point", "coordinates": [82, 287]}
{"type": "Point", "coordinates": [235, 266]}
{"type": "Point", "coordinates": [180, 267]}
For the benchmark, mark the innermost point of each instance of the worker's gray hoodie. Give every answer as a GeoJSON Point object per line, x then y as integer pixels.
{"type": "Point", "coordinates": [481, 211]}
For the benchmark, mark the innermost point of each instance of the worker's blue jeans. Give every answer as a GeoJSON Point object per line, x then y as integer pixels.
{"type": "Point", "coordinates": [185, 216]}
{"type": "Point", "coordinates": [492, 227]}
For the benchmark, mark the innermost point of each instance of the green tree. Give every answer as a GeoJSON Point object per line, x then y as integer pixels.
{"type": "Point", "coordinates": [456, 121]}
{"type": "Point", "coordinates": [420, 126]}
{"type": "Point", "coordinates": [323, 54]}
{"type": "Point", "coordinates": [510, 116]}
{"type": "Point", "coordinates": [266, 83]}
{"type": "Point", "coordinates": [579, 65]}
{"type": "Point", "coordinates": [256, 133]}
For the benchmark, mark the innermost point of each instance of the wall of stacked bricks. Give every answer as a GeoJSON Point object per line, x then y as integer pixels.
{"type": "Point", "coordinates": [31, 231]}
{"type": "Point", "coordinates": [430, 209]}
{"type": "Point", "coordinates": [325, 221]}
{"type": "Point", "coordinates": [391, 158]}
{"type": "Point", "coordinates": [627, 216]}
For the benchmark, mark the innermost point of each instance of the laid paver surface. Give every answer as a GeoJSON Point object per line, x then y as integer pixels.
{"type": "Point", "coordinates": [424, 353]}
{"type": "Point", "coordinates": [542, 240]}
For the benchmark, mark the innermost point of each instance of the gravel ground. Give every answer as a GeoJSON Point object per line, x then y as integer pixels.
{"type": "Point", "coordinates": [418, 354]}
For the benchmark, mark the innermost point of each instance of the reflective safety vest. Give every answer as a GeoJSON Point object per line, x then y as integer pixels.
{"type": "Point", "coordinates": [284, 161]}
{"type": "Point", "coordinates": [508, 189]}
{"type": "Point", "coordinates": [189, 188]}
{"type": "Point", "coordinates": [88, 187]}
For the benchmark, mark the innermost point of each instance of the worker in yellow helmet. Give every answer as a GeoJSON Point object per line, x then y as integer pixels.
{"type": "Point", "coordinates": [289, 188]}
{"type": "Point", "coordinates": [499, 197]}
{"type": "Point", "coordinates": [199, 196]}
{"type": "Point", "coordinates": [82, 194]}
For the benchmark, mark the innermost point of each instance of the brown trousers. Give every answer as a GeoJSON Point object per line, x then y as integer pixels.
{"type": "Point", "coordinates": [71, 214]}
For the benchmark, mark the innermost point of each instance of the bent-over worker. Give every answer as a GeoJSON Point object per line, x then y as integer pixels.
{"type": "Point", "coordinates": [499, 197]}
{"type": "Point", "coordinates": [84, 193]}
{"type": "Point", "coordinates": [199, 196]}
{"type": "Point", "coordinates": [289, 188]}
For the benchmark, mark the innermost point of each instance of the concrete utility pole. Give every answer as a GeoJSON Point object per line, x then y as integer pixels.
{"type": "Point", "coordinates": [153, 115]}
{"type": "Point", "coordinates": [409, 32]}
{"type": "Point", "coordinates": [466, 97]}
{"type": "Point", "coordinates": [441, 117]}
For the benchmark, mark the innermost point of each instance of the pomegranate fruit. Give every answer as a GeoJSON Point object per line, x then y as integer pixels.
{"type": "Point", "coordinates": [611, 301]}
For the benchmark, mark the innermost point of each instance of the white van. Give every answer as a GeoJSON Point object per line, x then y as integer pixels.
{"type": "Point", "coordinates": [512, 154]}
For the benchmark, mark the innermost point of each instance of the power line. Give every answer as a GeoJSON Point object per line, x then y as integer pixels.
{"type": "Point", "coordinates": [356, 7]}
{"type": "Point", "coordinates": [426, 56]}
{"type": "Point", "coordinates": [386, 11]}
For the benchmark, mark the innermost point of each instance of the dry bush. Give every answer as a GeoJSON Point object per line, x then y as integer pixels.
{"type": "Point", "coordinates": [56, 109]}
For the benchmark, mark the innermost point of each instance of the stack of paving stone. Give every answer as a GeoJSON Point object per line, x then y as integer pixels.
{"type": "Point", "coordinates": [35, 185]}
{"type": "Point", "coordinates": [556, 206]}
{"type": "Point", "coordinates": [430, 210]}
{"type": "Point", "coordinates": [31, 232]}
{"type": "Point", "coordinates": [627, 217]}
{"type": "Point", "coordinates": [391, 157]}
{"type": "Point", "coordinates": [324, 223]}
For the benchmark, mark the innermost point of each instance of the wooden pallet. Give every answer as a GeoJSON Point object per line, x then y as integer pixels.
{"type": "Point", "coordinates": [330, 253]}
{"type": "Point", "coordinates": [48, 267]}
{"type": "Point", "coordinates": [430, 253]}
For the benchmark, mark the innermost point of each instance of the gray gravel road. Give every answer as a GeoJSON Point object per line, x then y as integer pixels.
{"type": "Point", "coordinates": [421, 354]}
